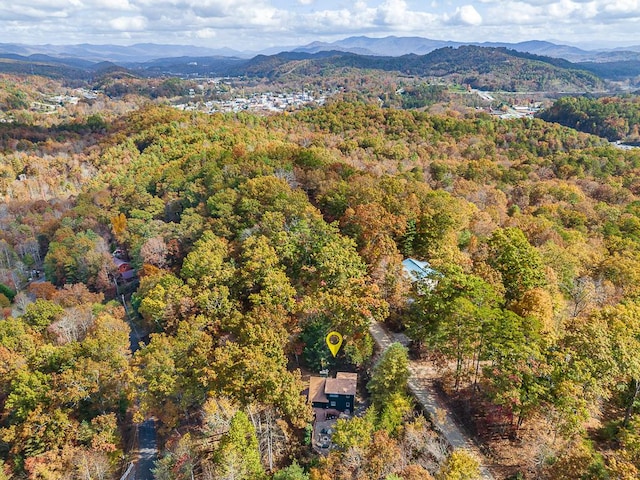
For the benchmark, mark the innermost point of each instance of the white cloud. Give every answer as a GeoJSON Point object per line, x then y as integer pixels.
{"type": "Point", "coordinates": [265, 16]}
{"type": "Point", "coordinates": [122, 5]}
{"type": "Point", "coordinates": [514, 13]}
{"type": "Point", "coordinates": [623, 6]}
{"type": "Point", "coordinates": [395, 13]}
{"type": "Point", "coordinates": [568, 9]}
{"type": "Point", "coordinates": [334, 21]}
{"type": "Point", "coordinates": [258, 24]}
{"type": "Point", "coordinates": [623, 9]}
{"type": "Point", "coordinates": [465, 15]}
{"type": "Point", "coordinates": [30, 13]}
{"type": "Point", "coordinates": [392, 12]}
{"type": "Point", "coordinates": [391, 16]}
{"type": "Point", "coordinates": [206, 33]}
{"type": "Point", "coordinates": [128, 24]}
{"type": "Point", "coordinates": [53, 4]}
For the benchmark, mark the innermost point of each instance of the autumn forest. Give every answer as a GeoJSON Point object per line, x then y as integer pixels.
{"type": "Point", "coordinates": [186, 267]}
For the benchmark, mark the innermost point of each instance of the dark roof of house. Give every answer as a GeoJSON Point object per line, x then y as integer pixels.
{"type": "Point", "coordinates": [344, 384]}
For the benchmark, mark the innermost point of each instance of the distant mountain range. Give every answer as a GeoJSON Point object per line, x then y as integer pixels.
{"type": "Point", "coordinates": [533, 65]}
{"type": "Point", "coordinates": [387, 46]}
{"type": "Point", "coordinates": [398, 46]}
{"type": "Point", "coordinates": [140, 52]}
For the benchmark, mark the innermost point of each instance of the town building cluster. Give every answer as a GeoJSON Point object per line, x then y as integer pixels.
{"type": "Point", "coordinates": [268, 102]}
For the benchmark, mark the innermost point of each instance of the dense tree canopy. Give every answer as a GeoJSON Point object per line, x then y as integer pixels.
{"type": "Point", "coordinates": [253, 237]}
{"type": "Point", "coordinates": [609, 117]}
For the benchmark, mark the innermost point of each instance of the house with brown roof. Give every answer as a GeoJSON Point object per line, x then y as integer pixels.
{"type": "Point", "coordinates": [337, 393]}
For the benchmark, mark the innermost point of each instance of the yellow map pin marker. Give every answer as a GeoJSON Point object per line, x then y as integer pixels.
{"type": "Point", "coordinates": [334, 342]}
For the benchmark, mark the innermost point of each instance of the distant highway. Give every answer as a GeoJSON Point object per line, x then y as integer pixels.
{"type": "Point", "coordinates": [484, 95]}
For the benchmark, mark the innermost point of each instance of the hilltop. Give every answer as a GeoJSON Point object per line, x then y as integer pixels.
{"type": "Point", "coordinates": [480, 67]}
{"type": "Point", "coordinates": [486, 68]}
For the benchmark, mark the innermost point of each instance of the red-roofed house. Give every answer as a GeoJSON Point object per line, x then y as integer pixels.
{"type": "Point", "coordinates": [121, 265]}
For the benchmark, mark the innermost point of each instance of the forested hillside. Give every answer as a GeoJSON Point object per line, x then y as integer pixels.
{"type": "Point", "coordinates": [614, 118]}
{"type": "Point", "coordinates": [481, 67]}
{"type": "Point", "coordinates": [253, 237]}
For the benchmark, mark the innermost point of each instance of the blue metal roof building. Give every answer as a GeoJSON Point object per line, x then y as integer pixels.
{"type": "Point", "coordinates": [417, 270]}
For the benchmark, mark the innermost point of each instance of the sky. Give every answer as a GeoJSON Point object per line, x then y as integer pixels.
{"type": "Point", "coordinates": [257, 24]}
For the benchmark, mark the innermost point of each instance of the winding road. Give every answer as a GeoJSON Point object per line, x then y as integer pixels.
{"type": "Point", "coordinates": [439, 412]}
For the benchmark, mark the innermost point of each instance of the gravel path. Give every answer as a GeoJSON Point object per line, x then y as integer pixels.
{"type": "Point", "coordinates": [420, 388]}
